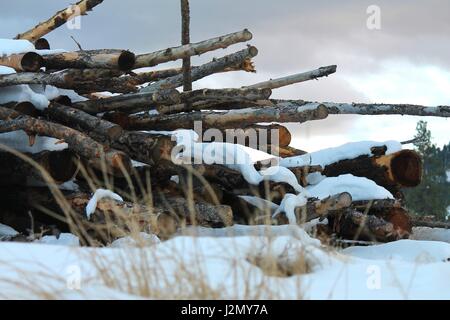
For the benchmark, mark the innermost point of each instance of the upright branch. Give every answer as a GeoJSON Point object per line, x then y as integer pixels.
{"type": "Point", "coordinates": [60, 18]}
{"type": "Point", "coordinates": [296, 78]}
{"type": "Point", "coordinates": [185, 39]}
{"type": "Point", "coordinates": [188, 50]}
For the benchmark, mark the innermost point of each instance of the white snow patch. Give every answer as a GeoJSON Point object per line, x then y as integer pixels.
{"type": "Point", "coordinates": [288, 205]}
{"type": "Point", "coordinates": [430, 234]}
{"type": "Point", "coordinates": [143, 239]}
{"type": "Point", "coordinates": [360, 188]}
{"type": "Point", "coordinates": [7, 231]}
{"type": "Point", "coordinates": [64, 239]}
{"type": "Point", "coordinates": [19, 140]}
{"type": "Point", "coordinates": [260, 203]}
{"type": "Point", "coordinates": [281, 174]}
{"type": "Point", "coordinates": [98, 195]}
{"type": "Point", "coordinates": [347, 151]}
{"type": "Point", "coordinates": [9, 46]}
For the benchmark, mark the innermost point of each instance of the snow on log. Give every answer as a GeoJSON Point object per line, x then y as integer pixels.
{"type": "Point", "coordinates": [60, 18]}
{"type": "Point", "coordinates": [29, 61]}
{"type": "Point", "coordinates": [296, 78]}
{"type": "Point", "coordinates": [193, 49]}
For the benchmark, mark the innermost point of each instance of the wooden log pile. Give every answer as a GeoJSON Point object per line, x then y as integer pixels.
{"type": "Point", "coordinates": [121, 142]}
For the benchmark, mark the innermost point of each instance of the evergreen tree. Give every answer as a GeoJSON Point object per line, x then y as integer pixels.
{"type": "Point", "coordinates": [432, 196]}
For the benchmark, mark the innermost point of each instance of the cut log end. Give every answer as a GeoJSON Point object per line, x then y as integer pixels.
{"type": "Point", "coordinates": [127, 60]}
{"type": "Point", "coordinates": [407, 168]}
{"type": "Point", "coordinates": [62, 166]}
{"type": "Point", "coordinates": [32, 62]}
{"type": "Point", "coordinates": [42, 44]}
{"type": "Point", "coordinates": [27, 108]}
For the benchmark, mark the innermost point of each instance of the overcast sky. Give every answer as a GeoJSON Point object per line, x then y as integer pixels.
{"type": "Point", "coordinates": [405, 61]}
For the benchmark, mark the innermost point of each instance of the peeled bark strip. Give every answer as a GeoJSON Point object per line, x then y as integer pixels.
{"type": "Point", "coordinates": [217, 65]}
{"type": "Point", "coordinates": [92, 59]}
{"type": "Point", "coordinates": [92, 151]}
{"type": "Point", "coordinates": [60, 18]}
{"type": "Point", "coordinates": [30, 61]}
{"type": "Point", "coordinates": [400, 169]}
{"type": "Point", "coordinates": [229, 119]}
{"type": "Point", "coordinates": [296, 78]}
{"type": "Point", "coordinates": [82, 81]}
{"type": "Point", "coordinates": [61, 165]}
{"type": "Point", "coordinates": [188, 50]}
{"type": "Point", "coordinates": [130, 103]}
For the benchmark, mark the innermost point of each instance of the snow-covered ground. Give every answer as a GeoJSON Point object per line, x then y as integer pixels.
{"type": "Point", "coordinates": [226, 263]}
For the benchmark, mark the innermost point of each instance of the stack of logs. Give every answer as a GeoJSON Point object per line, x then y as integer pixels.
{"type": "Point", "coordinates": [106, 133]}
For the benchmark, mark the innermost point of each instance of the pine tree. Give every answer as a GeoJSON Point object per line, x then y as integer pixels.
{"type": "Point", "coordinates": [432, 196]}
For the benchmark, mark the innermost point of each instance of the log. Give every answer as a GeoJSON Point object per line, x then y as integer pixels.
{"type": "Point", "coordinates": [24, 107]}
{"type": "Point", "coordinates": [281, 111]}
{"type": "Point", "coordinates": [259, 136]}
{"type": "Point", "coordinates": [60, 165]}
{"type": "Point", "coordinates": [202, 214]}
{"type": "Point", "coordinates": [42, 44]}
{"type": "Point", "coordinates": [82, 81]}
{"type": "Point", "coordinates": [29, 61]}
{"type": "Point", "coordinates": [228, 119]}
{"type": "Point", "coordinates": [144, 147]}
{"type": "Point", "coordinates": [430, 224]}
{"type": "Point", "coordinates": [188, 50]}
{"type": "Point", "coordinates": [393, 171]}
{"type": "Point", "coordinates": [91, 59]}
{"type": "Point", "coordinates": [296, 78]}
{"type": "Point", "coordinates": [60, 18]}
{"type": "Point", "coordinates": [130, 103]}
{"type": "Point", "coordinates": [80, 143]}
{"type": "Point", "coordinates": [234, 60]}
{"type": "Point", "coordinates": [214, 99]}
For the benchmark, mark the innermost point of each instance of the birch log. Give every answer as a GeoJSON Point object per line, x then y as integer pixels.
{"type": "Point", "coordinates": [60, 18]}
{"type": "Point", "coordinates": [92, 59]}
{"type": "Point", "coordinates": [217, 65]}
{"type": "Point", "coordinates": [82, 81]}
{"type": "Point", "coordinates": [229, 119]}
{"type": "Point", "coordinates": [188, 50]}
{"type": "Point", "coordinates": [30, 61]}
{"type": "Point", "coordinates": [296, 78]}
{"type": "Point", "coordinates": [130, 103]}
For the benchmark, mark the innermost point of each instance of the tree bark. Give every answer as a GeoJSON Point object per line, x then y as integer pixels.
{"type": "Point", "coordinates": [61, 165]}
{"type": "Point", "coordinates": [217, 65]}
{"type": "Point", "coordinates": [82, 81]}
{"type": "Point", "coordinates": [188, 50]}
{"type": "Point", "coordinates": [130, 103]}
{"type": "Point", "coordinates": [91, 59]}
{"type": "Point", "coordinates": [60, 18]}
{"type": "Point", "coordinates": [229, 119]}
{"type": "Point", "coordinates": [92, 151]}
{"type": "Point", "coordinates": [296, 78]}
{"type": "Point", "coordinates": [23, 62]}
